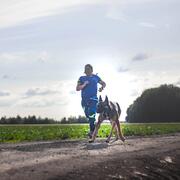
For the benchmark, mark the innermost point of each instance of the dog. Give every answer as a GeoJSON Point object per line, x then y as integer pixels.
{"type": "Point", "coordinates": [108, 111]}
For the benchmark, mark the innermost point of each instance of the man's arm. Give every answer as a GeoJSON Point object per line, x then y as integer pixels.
{"type": "Point", "coordinates": [81, 86]}
{"type": "Point", "coordinates": [103, 85]}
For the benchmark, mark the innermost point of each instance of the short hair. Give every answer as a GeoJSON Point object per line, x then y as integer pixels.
{"type": "Point", "coordinates": [89, 65]}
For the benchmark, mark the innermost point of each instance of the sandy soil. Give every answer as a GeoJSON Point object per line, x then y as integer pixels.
{"type": "Point", "coordinates": [155, 157]}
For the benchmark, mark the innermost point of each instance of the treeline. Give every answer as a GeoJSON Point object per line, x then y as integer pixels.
{"type": "Point", "coordinates": [72, 119]}
{"type": "Point", "coordinates": [26, 120]}
{"type": "Point", "coordinates": [161, 104]}
{"type": "Point", "coordinates": [38, 120]}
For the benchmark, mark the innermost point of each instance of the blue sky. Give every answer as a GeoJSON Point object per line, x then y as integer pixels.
{"type": "Point", "coordinates": [44, 45]}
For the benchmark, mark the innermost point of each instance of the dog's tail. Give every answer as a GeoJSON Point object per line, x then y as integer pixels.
{"type": "Point", "coordinates": [119, 109]}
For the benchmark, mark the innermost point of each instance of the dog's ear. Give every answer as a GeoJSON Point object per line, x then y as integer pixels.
{"type": "Point", "coordinates": [106, 100]}
{"type": "Point", "coordinates": [100, 98]}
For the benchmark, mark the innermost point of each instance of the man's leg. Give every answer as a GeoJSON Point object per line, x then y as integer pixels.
{"type": "Point", "coordinates": [86, 112]}
{"type": "Point", "coordinates": [92, 115]}
{"type": "Point", "coordinates": [90, 112]}
{"type": "Point", "coordinates": [92, 122]}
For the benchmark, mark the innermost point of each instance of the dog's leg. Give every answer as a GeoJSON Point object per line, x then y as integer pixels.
{"type": "Point", "coordinates": [96, 129]}
{"type": "Point", "coordinates": [120, 134]}
{"type": "Point", "coordinates": [109, 137]}
{"type": "Point", "coordinates": [116, 132]}
{"type": "Point", "coordinates": [114, 127]}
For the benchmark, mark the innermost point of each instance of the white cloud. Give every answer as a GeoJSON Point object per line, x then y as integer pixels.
{"type": "Point", "coordinates": [5, 103]}
{"type": "Point", "coordinates": [167, 25]}
{"type": "Point", "coordinates": [140, 57]}
{"type": "Point", "coordinates": [134, 93]}
{"type": "Point", "coordinates": [13, 57]}
{"type": "Point", "coordinates": [8, 100]}
{"type": "Point", "coordinates": [19, 11]}
{"type": "Point", "coordinates": [52, 99]}
{"type": "Point", "coordinates": [44, 56]}
{"type": "Point", "coordinates": [129, 2]}
{"type": "Point", "coordinates": [3, 93]}
{"type": "Point", "coordinates": [5, 76]}
{"type": "Point", "coordinates": [54, 94]}
{"type": "Point", "coordinates": [166, 63]}
{"type": "Point", "coordinates": [40, 92]}
{"type": "Point", "coordinates": [167, 56]}
{"type": "Point", "coordinates": [147, 24]}
{"type": "Point", "coordinates": [123, 69]}
{"type": "Point", "coordinates": [40, 102]}
{"type": "Point", "coordinates": [8, 57]}
{"type": "Point", "coordinates": [22, 57]}
{"type": "Point", "coordinates": [116, 13]}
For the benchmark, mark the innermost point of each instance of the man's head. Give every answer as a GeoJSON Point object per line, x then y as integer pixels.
{"type": "Point", "coordinates": [88, 69]}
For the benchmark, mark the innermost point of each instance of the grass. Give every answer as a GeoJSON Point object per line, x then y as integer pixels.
{"type": "Point", "coordinates": [19, 133]}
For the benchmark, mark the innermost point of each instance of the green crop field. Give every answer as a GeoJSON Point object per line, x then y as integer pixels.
{"type": "Point", "coordinates": [19, 133]}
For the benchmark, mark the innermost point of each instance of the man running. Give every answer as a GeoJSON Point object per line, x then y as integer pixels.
{"type": "Point", "coordinates": [88, 86]}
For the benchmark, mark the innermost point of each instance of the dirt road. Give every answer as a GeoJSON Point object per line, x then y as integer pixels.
{"type": "Point", "coordinates": [155, 157]}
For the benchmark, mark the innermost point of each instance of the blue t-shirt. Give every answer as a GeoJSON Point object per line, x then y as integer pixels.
{"type": "Point", "coordinates": [90, 90]}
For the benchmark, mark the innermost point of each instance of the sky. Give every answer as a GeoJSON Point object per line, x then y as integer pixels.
{"type": "Point", "coordinates": [133, 45]}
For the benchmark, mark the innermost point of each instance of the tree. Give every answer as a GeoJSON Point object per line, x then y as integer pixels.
{"type": "Point", "coordinates": [160, 104]}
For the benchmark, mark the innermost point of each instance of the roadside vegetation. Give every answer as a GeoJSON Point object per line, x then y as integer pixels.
{"type": "Point", "coordinates": [19, 133]}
